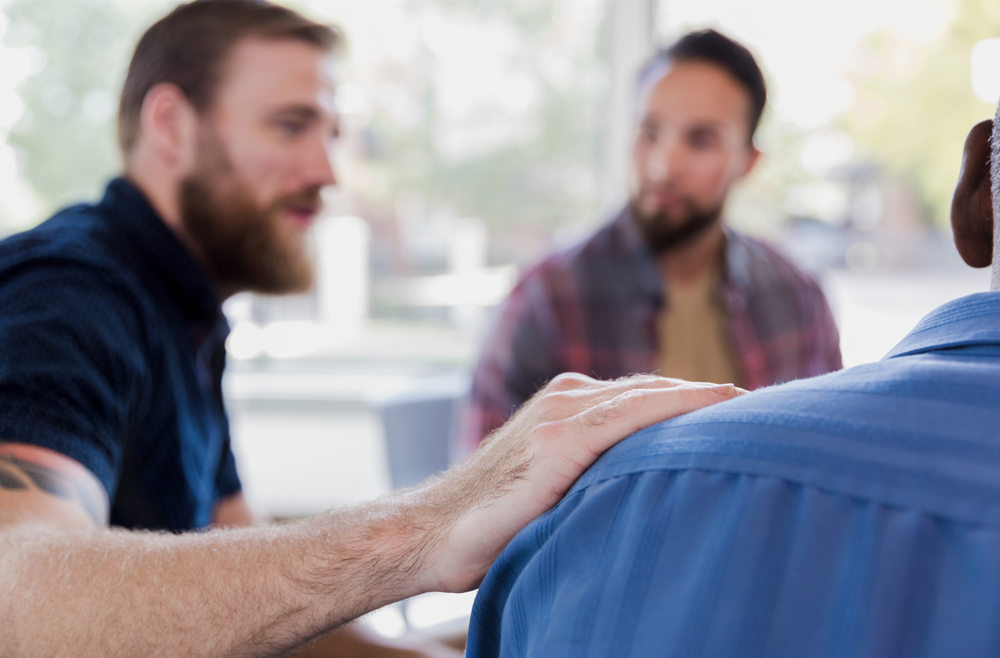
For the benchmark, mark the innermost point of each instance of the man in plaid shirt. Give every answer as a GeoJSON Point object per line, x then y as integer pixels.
{"type": "Point", "coordinates": [665, 287]}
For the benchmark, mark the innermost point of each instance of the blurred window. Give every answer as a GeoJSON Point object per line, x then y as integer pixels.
{"type": "Point", "coordinates": [479, 136]}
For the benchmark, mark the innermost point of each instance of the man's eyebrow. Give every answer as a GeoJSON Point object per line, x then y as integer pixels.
{"type": "Point", "coordinates": [305, 112]}
{"type": "Point", "coordinates": [706, 128]}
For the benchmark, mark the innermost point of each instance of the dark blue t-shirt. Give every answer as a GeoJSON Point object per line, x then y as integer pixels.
{"type": "Point", "coordinates": [111, 352]}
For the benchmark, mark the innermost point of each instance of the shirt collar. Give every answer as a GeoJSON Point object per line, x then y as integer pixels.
{"type": "Point", "coordinates": [157, 246]}
{"type": "Point", "coordinates": [628, 243]}
{"type": "Point", "coordinates": [737, 266]}
{"type": "Point", "coordinates": [963, 322]}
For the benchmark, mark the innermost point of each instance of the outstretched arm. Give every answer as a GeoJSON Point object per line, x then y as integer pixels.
{"type": "Point", "coordinates": [352, 641]}
{"type": "Point", "coordinates": [68, 586]}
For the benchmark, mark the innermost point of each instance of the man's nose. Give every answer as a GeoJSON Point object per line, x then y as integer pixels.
{"type": "Point", "coordinates": [318, 166]}
{"type": "Point", "coordinates": [664, 161]}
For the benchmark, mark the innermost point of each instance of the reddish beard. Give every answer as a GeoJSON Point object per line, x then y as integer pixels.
{"type": "Point", "coordinates": [240, 242]}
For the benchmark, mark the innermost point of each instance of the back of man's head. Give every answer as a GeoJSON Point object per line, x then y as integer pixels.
{"type": "Point", "coordinates": [995, 189]}
{"type": "Point", "coordinates": [714, 48]}
{"type": "Point", "coordinates": [189, 46]}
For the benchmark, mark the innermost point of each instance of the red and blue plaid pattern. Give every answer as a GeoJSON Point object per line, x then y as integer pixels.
{"type": "Point", "coordinates": [593, 309]}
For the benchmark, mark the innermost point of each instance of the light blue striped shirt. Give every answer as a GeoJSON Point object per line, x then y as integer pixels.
{"type": "Point", "coordinates": [853, 514]}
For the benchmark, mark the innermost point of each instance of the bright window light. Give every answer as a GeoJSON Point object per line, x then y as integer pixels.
{"type": "Point", "coordinates": [986, 70]}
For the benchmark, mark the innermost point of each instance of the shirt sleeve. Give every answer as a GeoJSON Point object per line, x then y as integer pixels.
{"type": "Point", "coordinates": [517, 359]}
{"type": "Point", "coordinates": [227, 480]}
{"type": "Point", "coordinates": [72, 366]}
{"type": "Point", "coordinates": [710, 563]}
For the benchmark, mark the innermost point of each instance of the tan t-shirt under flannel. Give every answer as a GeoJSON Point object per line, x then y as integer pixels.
{"type": "Point", "coordinates": [694, 332]}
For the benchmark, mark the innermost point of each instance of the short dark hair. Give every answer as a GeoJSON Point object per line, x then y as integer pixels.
{"type": "Point", "coordinates": [188, 47]}
{"type": "Point", "coordinates": [714, 48]}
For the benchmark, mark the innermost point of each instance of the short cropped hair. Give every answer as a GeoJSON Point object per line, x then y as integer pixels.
{"type": "Point", "coordinates": [995, 181]}
{"type": "Point", "coordinates": [189, 46]}
{"type": "Point", "coordinates": [713, 48]}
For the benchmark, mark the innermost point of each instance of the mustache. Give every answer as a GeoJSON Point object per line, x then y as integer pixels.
{"type": "Point", "coordinates": [309, 198]}
{"type": "Point", "coordinates": [661, 188]}
{"type": "Point", "coordinates": [662, 238]}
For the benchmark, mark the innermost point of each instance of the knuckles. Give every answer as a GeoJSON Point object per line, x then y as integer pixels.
{"type": "Point", "coordinates": [569, 381]}
{"type": "Point", "coordinates": [619, 406]}
{"type": "Point", "coordinates": [551, 433]}
{"type": "Point", "coordinates": [544, 434]}
{"type": "Point", "coordinates": [560, 403]}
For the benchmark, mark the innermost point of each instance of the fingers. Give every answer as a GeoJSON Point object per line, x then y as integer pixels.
{"type": "Point", "coordinates": [571, 393]}
{"type": "Point", "coordinates": [574, 381]}
{"type": "Point", "coordinates": [534, 459]}
{"type": "Point", "coordinates": [604, 424]}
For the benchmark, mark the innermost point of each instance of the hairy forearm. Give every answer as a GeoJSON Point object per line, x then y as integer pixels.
{"type": "Point", "coordinates": [266, 590]}
{"type": "Point", "coordinates": [249, 592]}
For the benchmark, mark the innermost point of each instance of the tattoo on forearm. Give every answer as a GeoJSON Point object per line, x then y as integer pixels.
{"type": "Point", "coordinates": [9, 479]}
{"type": "Point", "coordinates": [16, 473]}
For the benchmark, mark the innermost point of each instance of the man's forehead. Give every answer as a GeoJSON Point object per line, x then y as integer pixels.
{"type": "Point", "coordinates": [261, 72]}
{"type": "Point", "coordinates": [694, 90]}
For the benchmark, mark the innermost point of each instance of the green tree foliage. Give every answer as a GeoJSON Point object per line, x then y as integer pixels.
{"type": "Point", "coordinates": [528, 185]}
{"type": "Point", "coordinates": [913, 119]}
{"type": "Point", "coordinates": [548, 181]}
{"type": "Point", "coordinates": [534, 183]}
{"type": "Point", "coordinates": [66, 138]}
{"type": "Point", "coordinates": [758, 204]}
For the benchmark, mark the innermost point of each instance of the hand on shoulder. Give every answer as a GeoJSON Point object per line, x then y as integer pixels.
{"type": "Point", "coordinates": [524, 468]}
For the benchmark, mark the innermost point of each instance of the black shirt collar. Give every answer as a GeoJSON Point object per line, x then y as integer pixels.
{"type": "Point", "coordinates": [156, 245]}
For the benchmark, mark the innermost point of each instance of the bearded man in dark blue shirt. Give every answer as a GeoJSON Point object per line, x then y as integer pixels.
{"type": "Point", "coordinates": [110, 363]}
{"type": "Point", "coordinates": [853, 514]}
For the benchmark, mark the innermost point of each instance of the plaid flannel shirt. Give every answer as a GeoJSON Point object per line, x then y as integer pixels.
{"type": "Point", "coordinates": [593, 309]}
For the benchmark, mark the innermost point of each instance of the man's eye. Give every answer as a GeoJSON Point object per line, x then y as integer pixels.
{"type": "Point", "coordinates": [292, 128]}
{"type": "Point", "coordinates": [702, 139]}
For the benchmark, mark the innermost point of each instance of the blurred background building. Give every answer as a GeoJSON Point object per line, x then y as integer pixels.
{"type": "Point", "coordinates": [482, 134]}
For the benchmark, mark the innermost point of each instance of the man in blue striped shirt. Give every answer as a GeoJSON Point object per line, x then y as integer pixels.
{"type": "Point", "coordinates": [853, 514]}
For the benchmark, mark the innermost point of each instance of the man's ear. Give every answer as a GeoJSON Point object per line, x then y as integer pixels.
{"type": "Point", "coordinates": [972, 205]}
{"type": "Point", "coordinates": [169, 126]}
{"type": "Point", "coordinates": [752, 159]}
